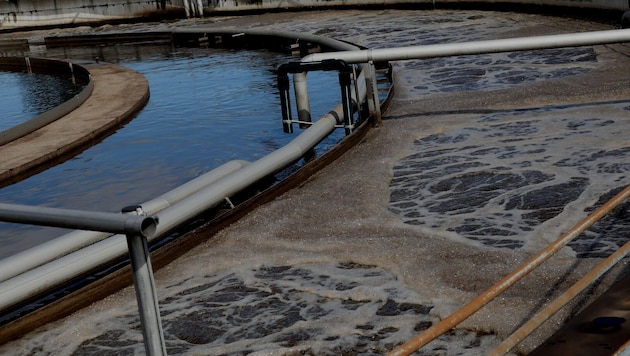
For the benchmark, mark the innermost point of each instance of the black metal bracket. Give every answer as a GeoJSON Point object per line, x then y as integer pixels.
{"type": "Point", "coordinates": [345, 82]}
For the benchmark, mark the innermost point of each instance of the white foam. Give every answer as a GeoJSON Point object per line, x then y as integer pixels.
{"type": "Point", "coordinates": [328, 267]}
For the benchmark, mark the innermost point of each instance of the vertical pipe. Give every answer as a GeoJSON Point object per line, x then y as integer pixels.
{"type": "Point", "coordinates": [146, 294]}
{"type": "Point", "coordinates": [346, 99]}
{"type": "Point", "coordinates": [187, 8]}
{"type": "Point", "coordinates": [199, 8]}
{"type": "Point", "coordinates": [301, 97]}
{"type": "Point", "coordinates": [285, 100]}
{"type": "Point", "coordinates": [28, 65]}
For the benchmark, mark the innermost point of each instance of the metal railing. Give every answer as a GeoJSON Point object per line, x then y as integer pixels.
{"type": "Point", "coordinates": [34, 271]}
{"type": "Point", "coordinates": [304, 117]}
{"type": "Point", "coordinates": [135, 226]}
{"type": "Point", "coordinates": [491, 293]}
{"type": "Point", "coordinates": [195, 199]}
{"type": "Point", "coordinates": [138, 228]}
{"type": "Point", "coordinates": [369, 56]}
{"type": "Point", "coordinates": [23, 277]}
{"type": "Point", "coordinates": [186, 205]}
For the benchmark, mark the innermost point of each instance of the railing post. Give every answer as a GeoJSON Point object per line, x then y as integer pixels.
{"type": "Point", "coordinates": [299, 70]}
{"type": "Point", "coordinates": [345, 82]}
{"type": "Point", "coordinates": [145, 290]}
{"type": "Point", "coordinates": [285, 99]}
{"type": "Point", "coordinates": [372, 92]}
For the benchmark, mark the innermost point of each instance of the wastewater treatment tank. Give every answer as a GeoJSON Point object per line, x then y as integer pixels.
{"type": "Point", "coordinates": [324, 271]}
{"type": "Point", "coordinates": [208, 106]}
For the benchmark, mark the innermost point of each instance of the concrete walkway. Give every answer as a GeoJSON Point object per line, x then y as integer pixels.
{"type": "Point", "coordinates": [124, 90]}
{"type": "Point", "coordinates": [342, 216]}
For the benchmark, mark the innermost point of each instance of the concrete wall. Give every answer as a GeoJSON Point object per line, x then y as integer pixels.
{"type": "Point", "coordinates": [223, 5]}
{"type": "Point", "coordinates": [38, 13]}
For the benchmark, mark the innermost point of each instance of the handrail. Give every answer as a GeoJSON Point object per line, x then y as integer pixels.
{"type": "Point", "coordinates": [14, 289]}
{"type": "Point", "coordinates": [81, 252]}
{"type": "Point", "coordinates": [471, 48]}
{"type": "Point", "coordinates": [462, 314]}
{"type": "Point", "coordinates": [99, 247]}
{"type": "Point", "coordinates": [136, 228]}
{"type": "Point", "coordinates": [43, 277]}
{"type": "Point", "coordinates": [553, 307]}
{"type": "Point", "coordinates": [78, 219]}
{"type": "Point", "coordinates": [370, 56]}
{"type": "Point", "coordinates": [63, 245]}
{"type": "Point", "coordinates": [477, 47]}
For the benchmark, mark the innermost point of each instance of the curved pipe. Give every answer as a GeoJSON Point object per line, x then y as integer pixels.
{"type": "Point", "coordinates": [40, 279]}
{"type": "Point", "coordinates": [75, 240]}
{"type": "Point", "coordinates": [462, 314]}
{"type": "Point", "coordinates": [259, 169]}
{"type": "Point", "coordinates": [185, 190]}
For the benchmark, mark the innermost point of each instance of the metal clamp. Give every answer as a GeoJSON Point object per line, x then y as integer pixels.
{"type": "Point", "coordinates": [345, 82]}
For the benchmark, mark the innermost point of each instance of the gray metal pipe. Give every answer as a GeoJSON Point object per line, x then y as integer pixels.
{"type": "Point", "coordinates": [48, 251]}
{"type": "Point", "coordinates": [78, 219]}
{"type": "Point", "coordinates": [259, 169]}
{"type": "Point", "coordinates": [75, 240]}
{"type": "Point", "coordinates": [302, 101]}
{"type": "Point", "coordinates": [33, 280]}
{"type": "Point", "coordinates": [42, 278]}
{"type": "Point", "coordinates": [467, 48]}
{"type": "Point", "coordinates": [302, 98]}
{"type": "Point", "coordinates": [477, 47]}
{"type": "Point", "coordinates": [146, 295]}
{"type": "Point", "coordinates": [180, 193]}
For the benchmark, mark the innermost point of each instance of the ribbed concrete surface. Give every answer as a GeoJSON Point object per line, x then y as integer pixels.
{"type": "Point", "coordinates": [600, 329]}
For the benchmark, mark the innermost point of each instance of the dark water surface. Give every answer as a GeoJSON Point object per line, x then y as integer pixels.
{"type": "Point", "coordinates": [207, 107]}
{"type": "Point", "coordinates": [430, 210]}
{"type": "Point", "coordinates": [25, 95]}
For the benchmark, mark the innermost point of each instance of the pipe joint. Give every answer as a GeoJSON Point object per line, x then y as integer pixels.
{"type": "Point", "coordinates": [137, 221]}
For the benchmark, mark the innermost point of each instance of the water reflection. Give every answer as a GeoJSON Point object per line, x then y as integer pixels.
{"type": "Point", "coordinates": [27, 95]}
{"type": "Point", "coordinates": [207, 107]}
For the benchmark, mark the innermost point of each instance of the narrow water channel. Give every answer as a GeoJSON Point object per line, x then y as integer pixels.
{"type": "Point", "coordinates": [428, 212]}
{"type": "Point", "coordinates": [25, 95]}
{"type": "Point", "coordinates": [207, 107]}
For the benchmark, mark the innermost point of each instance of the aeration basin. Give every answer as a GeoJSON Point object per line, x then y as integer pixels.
{"type": "Point", "coordinates": [482, 164]}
